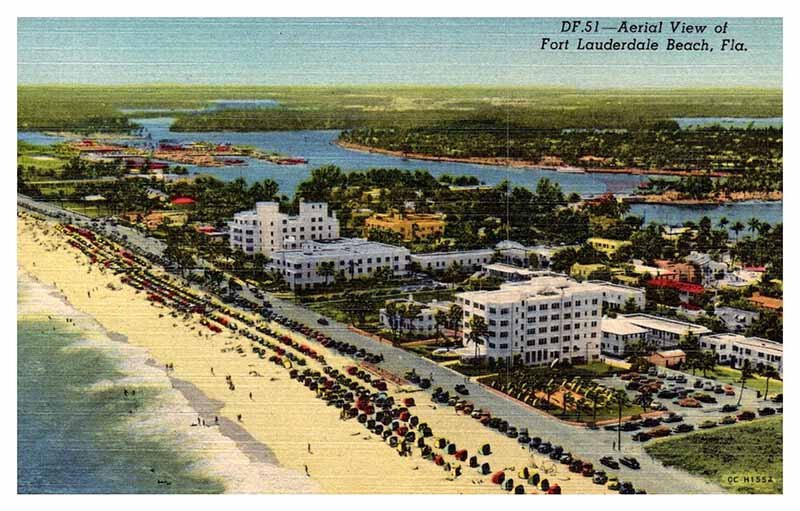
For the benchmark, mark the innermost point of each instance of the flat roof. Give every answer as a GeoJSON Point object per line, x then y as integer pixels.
{"type": "Point", "coordinates": [665, 324]}
{"type": "Point", "coordinates": [618, 326]}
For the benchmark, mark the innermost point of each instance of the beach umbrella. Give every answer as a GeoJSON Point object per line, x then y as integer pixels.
{"type": "Point", "coordinates": [498, 477]}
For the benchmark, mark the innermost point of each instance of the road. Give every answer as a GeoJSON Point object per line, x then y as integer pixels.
{"type": "Point", "coordinates": [588, 445]}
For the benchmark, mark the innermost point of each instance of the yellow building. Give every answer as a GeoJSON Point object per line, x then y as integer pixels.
{"type": "Point", "coordinates": [410, 226]}
{"type": "Point", "coordinates": [607, 246]}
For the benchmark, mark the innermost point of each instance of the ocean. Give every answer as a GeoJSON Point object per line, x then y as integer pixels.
{"type": "Point", "coordinates": [97, 415]}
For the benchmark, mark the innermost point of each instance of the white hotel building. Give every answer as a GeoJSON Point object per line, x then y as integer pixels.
{"type": "Point", "coordinates": [265, 229]}
{"type": "Point", "coordinates": [541, 320]}
{"type": "Point", "coordinates": [440, 261]}
{"type": "Point", "coordinates": [351, 258]}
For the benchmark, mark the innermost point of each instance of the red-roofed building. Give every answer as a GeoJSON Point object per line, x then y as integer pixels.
{"type": "Point", "coordinates": [687, 290]}
{"type": "Point", "coordinates": [182, 201]}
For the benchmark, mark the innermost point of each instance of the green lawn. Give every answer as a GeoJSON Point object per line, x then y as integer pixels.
{"type": "Point", "coordinates": [743, 451]}
{"type": "Point", "coordinates": [726, 374]}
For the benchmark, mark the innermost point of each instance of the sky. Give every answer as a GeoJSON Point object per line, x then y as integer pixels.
{"type": "Point", "coordinates": [377, 51]}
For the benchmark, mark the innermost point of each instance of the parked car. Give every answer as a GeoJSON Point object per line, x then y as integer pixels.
{"type": "Point", "coordinates": [651, 422]}
{"type": "Point", "coordinates": [729, 408]}
{"type": "Point", "coordinates": [565, 459]}
{"type": "Point", "coordinates": [323, 321]}
{"type": "Point", "coordinates": [600, 477]}
{"type": "Point", "coordinates": [766, 411]}
{"type": "Point", "coordinates": [727, 420]}
{"type": "Point", "coordinates": [609, 462]}
{"type": "Point", "coordinates": [698, 384]}
{"type": "Point", "coordinates": [626, 488]}
{"type": "Point", "coordinates": [641, 436]}
{"type": "Point", "coordinates": [718, 389]}
{"type": "Point", "coordinates": [707, 424]}
{"type": "Point", "coordinates": [630, 462]}
{"type": "Point", "coordinates": [462, 389]}
{"type": "Point", "coordinates": [683, 428]}
{"type": "Point", "coordinates": [746, 416]}
{"type": "Point", "coordinates": [672, 418]}
{"type": "Point", "coordinates": [707, 386]}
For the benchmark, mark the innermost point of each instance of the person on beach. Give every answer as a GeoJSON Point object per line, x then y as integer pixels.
{"type": "Point", "coordinates": [239, 417]}
{"type": "Point", "coordinates": [212, 371]}
{"type": "Point", "coordinates": [306, 467]}
{"type": "Point", "coordinates": [309, 449]}
{"type": "Point", "coordinates": [251, 396]}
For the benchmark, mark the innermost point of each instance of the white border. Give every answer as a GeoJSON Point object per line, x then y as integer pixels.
{"type": "Point", "coordinates": [302, 8]}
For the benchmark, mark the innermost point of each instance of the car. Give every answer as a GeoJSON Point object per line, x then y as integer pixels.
{"type": "Point", "coordinates": [523, 439]}
{"type": "Point", "coordinates": [462, 389]}
{"type": "Point", "coordinates": [641, 436]}
{"type": "Point", "coordinates": [600, 477]}
{"type": "Point", "coordinates": [672, 418]}
{"type": "Point", "coordinates": [707, 424]}
{"type": "Point", "coordinates": [535, 442]}
{"type": "Point", "coordinates": [681, 379]}
{"type": "Point", "coordinates": [667, 394]}
{"type": "Point", "coordinates": [576, 466]}
{"type": "Point", "coordinates": [766, 411]}
{"type": "Point", "coordinates": [683, 428]}
{"type": "Point", "coordinates": [671, 377]}
{"type": "Point", "coordinates": [630, 462]}
{"type": "Point", "coordinates": [708, 386]}
{"type": "Point", "coordinates": [425, 383]}
{"type": "Point", "coordinates": [565, 459]}
{"type": "Point", "coordinates": [652, 370]}
{"type": "Point", "coordinates": [729, 408]}
{"type": "Point", "coordinates": [626, 488]}
{"type": "Point", "coordinates": [651, 422]}
{"type": "Point", "coordinates": [730, 392]}
{"type": "Point", "coordinates": [698, 384]}
{"type": "Point", "coordinates": [630, 426]}
{"type": "Point", "coordinates": [511, 432]}
{"type": "Point", "coordinates": [613, 486]}
{"type": "Point", "coordinates": [718, 389]}
{"type": "Point", "coordinates": [658, 406]}
{"type": "Point", "coordinates": [587, 470]}
{"type": "Point", "coordinates": [659, 432]}
{"type": "Point", "coordinates": [609, 462]}
{"type": "Point", "coordinates": [662, 375]}
{"type": "Point", "coordinates": [704, 398]}
{"type": "Point", "coordinates": [545, 448]}
{"type": "Point", "coordinates": [746, 416]}
{"type": "Point", "coordinates": [727, 420]}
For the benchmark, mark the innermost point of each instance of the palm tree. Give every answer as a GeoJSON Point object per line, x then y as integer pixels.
{"type": "Point", "coordinates": [747, 373]}
{"type": "Point", "coordinates": [549, 389]}
{"type": "Point", "coordinates": [593, 395]}
{"type": "Point", "coordinates": [326, 269]}
{"type": "Point", "coordinates": [580, 405]}
{"type": "Point", "coordinates": [441, 321]}
{"type": "Point", "coordinates": [567, 399]}
{"type": "Point", "coordinates": [753, 224]}
{"type": "Point", "coordinates": [769, 373]}
{"type": "Point", "coordinates": [620, 397]}
{"type": "Point", "coordinates": [454, 317]}
{"type": "Point", "coordinates": [708, 361]}
{"type": "Point", "coordinates": [478, 332]}
{"type": "Point", "coordinates": [722, 222]}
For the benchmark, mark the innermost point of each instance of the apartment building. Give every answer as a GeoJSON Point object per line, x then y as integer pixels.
{"type": "Point", "coordinates": [321, 261]}
{"type": "Point", "coordinates": [411, 226]}
{"type": "Point", "coordinates": [665, 332]}
{"type": "Point", "coordinates": [440, 261]}
{"type": "Point", "coordinates": [734, 349]}
{"type": "Point", "coordinates": [423, 323]}
{"type": "Point", "coordinates": [541, 320]}
{"type": "Point", "coordinates": [265, 229]}
{"type": "Point", "coordinates": [618, 334]}
{"type": "Point", "coordinates": [616, 296]}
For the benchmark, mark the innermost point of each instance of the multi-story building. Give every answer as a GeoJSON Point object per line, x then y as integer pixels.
{"type": "Point", "coordinates": [265, 229]}
{"type": "Point", "coordinates": [321, 261]}
{"type": "Point", "coordinates": [411, 226]}
{"type": "Point", "coordinates": [664, 332]}
{"type": "Point", "coordinates": [515, 273]}
{"type": "Point", "coordinates": [539, 321]}
{"type": "Point", "coordinates": [734, 349]}
{"type": "Point", "coordinates": [616, 296]}
{"type": "Point", "coordinates": [440, 261]}
{"type": "Point", "coordinates": [618, 334]}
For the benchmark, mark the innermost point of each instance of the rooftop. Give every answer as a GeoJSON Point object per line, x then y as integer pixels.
{"type": "Point", "coordinates": [618, 326]}
{"type": "Point", "coordinates": [665, 324]}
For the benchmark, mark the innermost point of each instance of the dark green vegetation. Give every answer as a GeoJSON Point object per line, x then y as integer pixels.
{"type": "Point", "coordinates": [756, 153]}
{"type": "Point", "coordinates": [92, 108]}
{"type": "Point", "coordinates": [751, 450]}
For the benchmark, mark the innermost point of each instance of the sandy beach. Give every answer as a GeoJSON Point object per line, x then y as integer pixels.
{"type": "Point", "coordinates": [282, 422]}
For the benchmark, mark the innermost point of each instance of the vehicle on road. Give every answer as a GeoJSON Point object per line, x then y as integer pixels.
{"type": "Point", "coordinates": [727, 420]}
{"type": "Point", "coordinates": [462, 389]}
{"type": "Point", "coordinates": [630, 462]}
{"type": "Point", "coordinates": [672, 418]}
{"type": "Point", "coordinates": [766, 411]}
{"type": "Point", "coordinates": [729, 408]}
{"type": "Point", "coordinates": [323, 321]}
{"type": "Point", "coordinates": [683, 428]}
{"type": "Point", "coordinates": [600, 477]}
{"type": "Point", "coordinates": [609, 462]}
{"type": "Point", "coordinates": [707, 424]}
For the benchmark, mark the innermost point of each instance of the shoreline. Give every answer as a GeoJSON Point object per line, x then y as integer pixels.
{"type": "Point", "coordinates": [340, 456]}
{"type": "Point", "coordinates": [233, 445]}
{"type": "Point", "coordinates": [523, 164]}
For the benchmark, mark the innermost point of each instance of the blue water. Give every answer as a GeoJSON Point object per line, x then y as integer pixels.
{"type": "Point", "coordinates": [319, 149]}
{"type": "Point", "coordinates": [73, 438]}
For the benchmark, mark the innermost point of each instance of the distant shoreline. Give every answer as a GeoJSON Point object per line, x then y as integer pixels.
{"type": "Point", "coordinates": [524, 164]}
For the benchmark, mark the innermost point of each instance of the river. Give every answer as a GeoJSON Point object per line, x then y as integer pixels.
{"type": "Point", "coordinates": [318, 147]}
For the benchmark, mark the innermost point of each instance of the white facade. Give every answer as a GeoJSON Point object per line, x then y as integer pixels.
{"type": "Point", "coordinates": [541, 320]}
{"type": "Point", "coordinates": [351, 258]}
{"type": "Point", "coordinates": [618, 334]}
{"type": "Point", "coordinates": [615, 296]}
{"type": "Point", "coordinates": [440, 261]}
{"type": "Point", "coordinates": [734, 349]}
{"type": "Point", "coordinates": [665, 332]}
{"type": "Point", "coordinates": [265, 229]}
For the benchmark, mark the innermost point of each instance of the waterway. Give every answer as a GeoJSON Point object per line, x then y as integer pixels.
{"type": "Point", "coordinates": [319, 148]}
